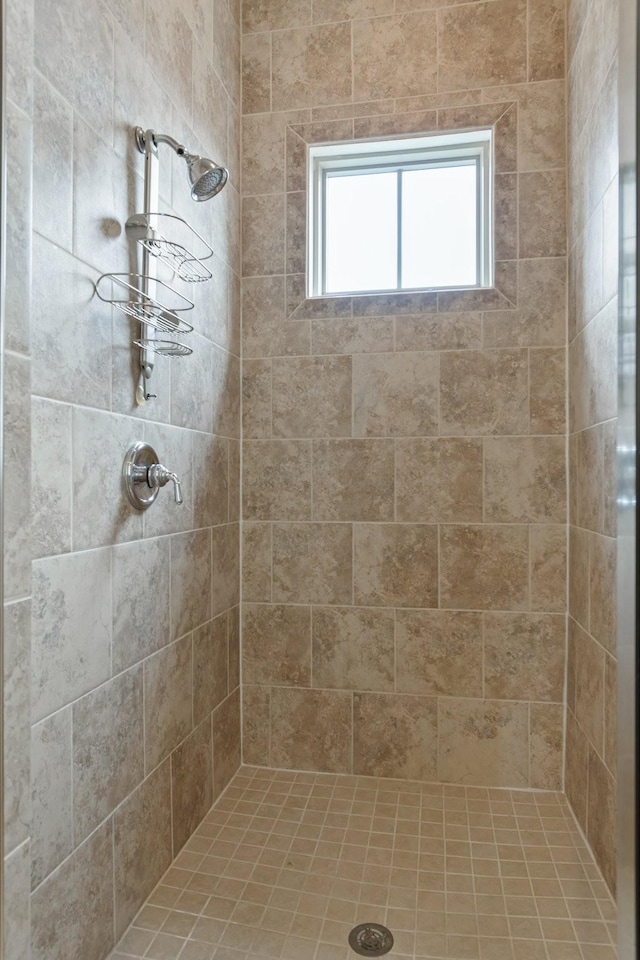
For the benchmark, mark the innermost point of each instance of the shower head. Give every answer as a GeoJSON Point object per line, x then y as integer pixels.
{"type": "Point", "coordinates": [206, 178]}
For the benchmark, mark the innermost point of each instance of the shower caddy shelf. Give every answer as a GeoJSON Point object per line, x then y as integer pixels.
{"type": "Point", "coordinates": [164, 238]}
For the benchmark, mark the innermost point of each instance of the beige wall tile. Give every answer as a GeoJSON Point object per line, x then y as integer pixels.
{"type": "Point", "coordinates": [545, 745]}
{"type": "Point", "coordinates": [142, 844]}
{"type": "Point", "coordinates": [225, 588]}
{"type": "Point", "coordinates": [276, 480]}
{"type": "Point", "coordinates": [439, 480]}
{"type": "Point", "coordinates": [579, 576]}
{"type": "Point", "coordinates": [108, 749]}
{"type": "Point", "coordinates": [542, 126]}
{"type": "Point", "coordinates": [277, 645]}
{"type": "Point", "coordinates": [311, 730]}
{"type": "Point", "coordinates": [482, 45]}
{"type": "Point", "coordinates": [312, 397]}
{"type": "Point", "coordinates": [256, 724]}
{"type": "Point", "coordinates": [589, 676]}
{"type": "Point", "coordinates": [256, 398]}
{"type": "Point", "coordinates": [311, 66]}
{"type": "Point", "coordinates": [210, 666]}
{"type": "Point", "coordinates": [211, 490]}
{"type": "Point", "coordinates": [389, 52]}
{"type": "Point", "coordinates": [540, 319]}
{"type": "Point", "coordinates": [191, 783]}
{"type": "Point", "coordinates": [484, 392]}
{"type": "Point", "coordinates": [190, 581]}
{"type": "Point", "coordinates": [576, 771]}
{"type": "Point", "coordinates": [64, 920]}
{"type": "Point", "coordinates": [395, 395]}
{"type": "Point", "coordinates": [167, 700]}
{"type": "Point", "coordinates": [483, 742]}
{"type": "Point", "coordinates": [601, 822]}
{"type": "Point", "coordinates": [484, 567]}
{"type": "Point", "coordinates": [396, 564]}
{"type": "Point", "coordinates": [546, 40]}
{"type": "Point", "coordinates": [394, 736]}
{"type": "Point", "coordinates": [263, 235]}
{"type": "Point", "coordinates": [17, 926]}
{"type": "Point", "coordinates": [590, 478]}
{"type": "Point", "coordinates": [610, 713]}
{"type": "Point", "coordinates": [326, 10]}
{"type": "Point", "coordinates": [351, 335]}
{"type": "Point", "coordinates": [226, 741]}
{"type": "Point", "coordinates": [258, 15]}
{"type": "Point", "coordinates": [51, 794]}
{"type": "Point", "coordinates": [233, 649]}
{"type": "Point", "coordinates": [457, 331]}
{"type": "Point", "coordinates": [353, 648]}
{"type": "Point", "coordinates": [256, 73]}
{"type": "Point", "coordinates": [524, 656]}
{"type": "Point", "coordinates": [541, 210]}
{"type": "Point", "coordinates": [312, 563]}
{"type": "Point", "coordinates": [524, 480]}
{"type": "Point", "coordinates": [141, 622]}
{"type": "Point", "coordinates": [602, 591]}
{"type": "Point", "coordinates": [353, 480]}
{"type": "Point", "coordinates": [438, 652]}
{"type": "Point", "coordinates": [548, 559]}
{"type": "Point", "coordinates": [50, 471]}
{"type": "Point", "coordinates": [547, 390]}
{"type": "Point", "coordinates": [256, 562]}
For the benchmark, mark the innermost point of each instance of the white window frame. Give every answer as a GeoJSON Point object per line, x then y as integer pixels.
{"type": "Point", "coordinates": [397, 154]}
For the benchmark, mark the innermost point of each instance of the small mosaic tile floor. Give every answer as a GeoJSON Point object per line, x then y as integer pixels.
{"type": "Point", "coordinates": [285, 864]}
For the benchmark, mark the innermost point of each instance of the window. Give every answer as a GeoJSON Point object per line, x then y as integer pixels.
{"type": "Point", "coordinates": [398, 215]}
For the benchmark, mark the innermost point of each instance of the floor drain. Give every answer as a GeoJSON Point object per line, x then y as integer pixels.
{"type": "Point", "coordinates": [370, 939]}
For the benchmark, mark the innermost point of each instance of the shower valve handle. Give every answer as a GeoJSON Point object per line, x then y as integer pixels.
{"type": "Point", "coordinates": [158, 476]}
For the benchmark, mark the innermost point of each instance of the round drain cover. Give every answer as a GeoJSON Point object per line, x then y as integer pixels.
{"type": "Point", "coordinates": [370, 939]}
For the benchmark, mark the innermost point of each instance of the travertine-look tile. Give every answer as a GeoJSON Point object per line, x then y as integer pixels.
{"type": "Point", "coordinates": [226, 723]}
{"type": "Point", "coordinates": [484, 392]}
{"type": "Point", "coordinates": [311, 729]}
{"type": "Point", "coordinates": [602, 591]}
{"type": "Point", "coordinates": [396, 565]}
{"type": "Point", "coordinates": [589, 661]}
{"type": "Point", "coordinates": [524, 656]}
{"type": "Point", "coordinates": [17, 723]}
{"type": "Point", "coordinates": [263, 235]}
{"type": "Point", "coordinates": [350, 335]}
{"type": "Point", "coordinates": [17, 926]}
{"type": "Point", "coordinates": [256, 562]}
{"type": "Point", "coordinates": [548, 559]}
{"type": "Point", "coordinates": [256, 398]}
{"type": "Point", "coordinates": [311, 66]}
{"type": "Point", "coordinates": [390, 52]}
{"type": "Point", "coordinates": [258, 15]}
{"type": "Point", "coordinates": [71, 628]}
{"type": "Point", "coordinates": [395, 395]}
{"type": "Point", "coordinates": [482, 45]}
{"type": "Point", "coordinates": [353, 480]}
{"type": "Point", "coordinates": [51, 794]}
{"type": "Point", "coordinates": [17, 470]}
{"type": "Point", "coordinates": [225, 581]}
{"type": "Point", "coordinates": [327, 10]}
{"type": "Point", "coordinates": [455, 331]}
{"type": "Point", "coordinates": [312, 397]}
{"type": "Point", "coordinates": [191, 783]}
{"type": "Point", "coordinates": [394, 736]}
{"type": "Point", "coordinates": [141, 578]}
{"type": "Point", "coordinates": [524, 480]}
{"type": "Point", "coordinates": [601, 823]}
{"type": "Point", "coordinates": [108, 749]}
{"type": "Point", "coordinates": [20, 163]}
{"type": "Point", "coordinates": [540, 320]}
{"type": "Point", "coordinates": [438, 480]}
{"type": "Point", "coordinates": [541, 212]}
{"type": "Point", "coordinates": [256, 73]}
{"type": "Point", "coordinates": [353, 648]}
{"type": "Point", "coordinates": [210, 666]}
{"type": "Point", "coordinates": [72, 911]}
{"type": "Point", "coordinates": [312, 563]}
{"type": "Point", "coordinates": [167, 700]}
{"type": "Point", "coordinates": [211, 489]}
{"type": "Point", "coordinates": [276, 480]}
{"type": "Point", "coordinates": [142, 844]}
{"type": "Point", "coordinates": [484, 567]}
{"type": "Point", "coordinates": [256, 724]}
{"type": "Point", "coordinates": [233, 649]}
{"type": "Point", "coordinates": [579, 576]}
{"type": "Point", "coordinates": [576, 774]}
{"type": "Point", "coordinates": [483, 742]}
{"type": "Point", "coordinates": [277, 645]}
{"type": "Point", "coordinates": [190, 581]}
{"type": "Point", "coordinates": [438, 652]}
{"type": "Point", "coordinates": [545, 745]}
{"type": "Point", "coordinates": [50, 470]}
{"type": "Point", "coordinates": [546, 40]}
{"type": "Point", "coordinates": [547, 386]}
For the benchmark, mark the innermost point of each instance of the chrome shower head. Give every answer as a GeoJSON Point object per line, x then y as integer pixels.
{"type": "Point", "coordinates": [206, 177]}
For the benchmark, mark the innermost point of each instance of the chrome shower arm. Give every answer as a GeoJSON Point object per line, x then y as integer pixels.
{"type": "Point", "coordinates": [179, 148]}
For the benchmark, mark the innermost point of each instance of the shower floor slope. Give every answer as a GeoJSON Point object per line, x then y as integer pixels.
{"type": "Point", "coordinates": [285, 864]}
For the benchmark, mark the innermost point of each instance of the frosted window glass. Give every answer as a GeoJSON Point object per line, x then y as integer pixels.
{"type": "Point", "coordinates": [361, 232]}
{"type": "Point", "coordinates": [439, 216]}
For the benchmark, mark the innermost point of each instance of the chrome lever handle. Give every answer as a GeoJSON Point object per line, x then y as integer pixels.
{"type": "Point", "coordinates": [158, 476]}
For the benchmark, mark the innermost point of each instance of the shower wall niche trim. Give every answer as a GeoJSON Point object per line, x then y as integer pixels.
{"type": "Point", "coordinates": [168, 240]}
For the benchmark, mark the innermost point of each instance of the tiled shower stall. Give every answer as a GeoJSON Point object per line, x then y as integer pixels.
{"type": "Point", "coordinates": [356, 623]}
